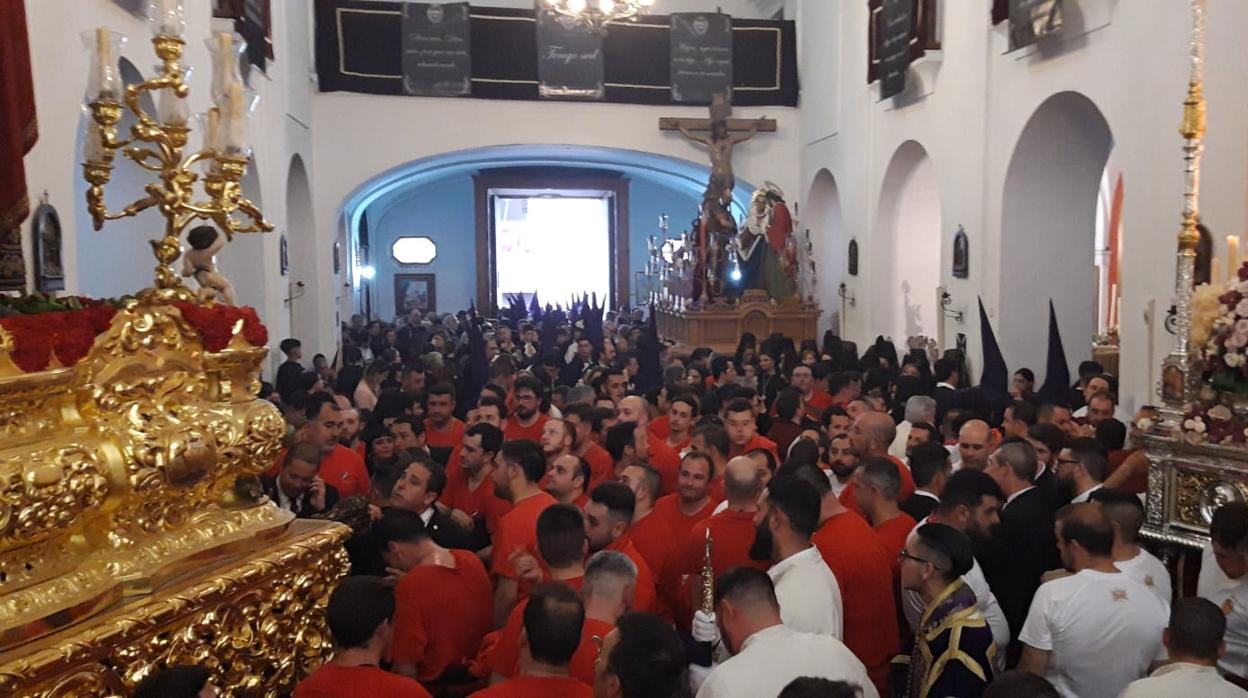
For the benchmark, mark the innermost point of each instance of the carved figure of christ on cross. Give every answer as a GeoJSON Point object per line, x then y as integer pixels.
{"type": "Point", "coordinates": [719, 143]}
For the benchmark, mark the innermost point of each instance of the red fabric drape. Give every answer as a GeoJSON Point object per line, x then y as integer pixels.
{"type": "Point", "coordinates": [18, 129]}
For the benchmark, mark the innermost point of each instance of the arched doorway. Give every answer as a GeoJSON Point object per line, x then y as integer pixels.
{"type": "Point", "coordinates": [242, 260]}
{"type": "Point", "coordinates": [117, 260]}
{"type": "Point", "coordinates": [907, 250]}
{"type": "Point", "coordinates": [1049, 230]}
{"type": "Point", "coordinates": [305, 320]}
{"type": "Point", "coordinates": [827, 233]}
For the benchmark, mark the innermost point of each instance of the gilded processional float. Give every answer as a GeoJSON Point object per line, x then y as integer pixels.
{"type": "Point", "coordinates": [133, 532]}
{"type": "Point", "coordinates": [1198, 446]}
{"type": "Point", "coordinates": [719, 280]}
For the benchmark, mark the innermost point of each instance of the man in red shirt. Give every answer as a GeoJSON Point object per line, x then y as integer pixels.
{"type": "Point", "coordinates": [649, 533]}
{"type": "Point", "coordinates": [567, 477]}
{"type": "Point", "coordinates": [580, 418]}
{"type": "Point", "coordinates": [863, 570]}
{"type": "Point", "coordinates": [711, 440]}
{"type": "Point", "coordinates": [610, 580]}
{"type": "Point", "coordinates": [661, 456]}
{"type": "Point", "coordinates": [870, 437]}
{"type": "Point", "coordinates": [360, 616]}
{"type": "Point", "coordinates": [743, 430]}
{"type": "Point", "coordinates": [690, 504]}
{"type": "Point", "coordinates": [443, 431]}
{"type": "Point", "coordinates": [527, 421]}
{"type": "Point", "coordinates": [469, 492]}
{"type": "Point", "coordinates": [516, 480]}
{"type": "Point", "coordinates": [608, 516]}
{"type": "Point", "coordinates": [553, 622]}
{"type": "Point", "coordinates": [557, 438]}
{"type": "Point", "coordinates": [732, 530]}
{"type": "Point", "coordinates": [340, 466]}
{"type": "Point", "coordinates": [876, 484]}
{"type": "Point", "coordinates": [681, 414]}
{"type": "Point", "coordinates": [561, 540]}
{"type": "Point", "coordinates": [814, 402]}
{"type": "Point", "coordinates": [349, 430]}
{"type": "Point", "coordinates": [444, 599]}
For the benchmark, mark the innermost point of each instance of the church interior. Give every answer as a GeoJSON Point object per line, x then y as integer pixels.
{"type": "Point", "coordinates": [243, 243]}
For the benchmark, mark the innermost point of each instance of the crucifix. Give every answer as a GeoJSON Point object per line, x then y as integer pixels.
{"type": "Point", "coordinates": [719, 143]}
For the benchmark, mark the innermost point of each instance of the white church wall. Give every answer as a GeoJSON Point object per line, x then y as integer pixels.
{"type": "Point", "coordinates": [1127, 59]}
{"type": "Point", "coordinates": [118, 261]}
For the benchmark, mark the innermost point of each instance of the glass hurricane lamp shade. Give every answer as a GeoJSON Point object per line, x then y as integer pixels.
{"type": "Point", "coordinates": [104, 83]}
{"type": "Point", "coordinates": [235, 113]}
{"type": "Point", "coordinates": [166, 18]}
{"type": "Point", "coordinates": [172, 110]}
{"type": "Point", "coordinates": [227, 56]}
{"type": "Point", "coordinates": [93, 142]}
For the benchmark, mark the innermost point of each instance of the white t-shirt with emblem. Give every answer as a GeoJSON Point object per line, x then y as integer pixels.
{"type": "Point", "coordinates": [1231, 595]}
{"type": "Point", "coordinates": [1148, 570]}
{"type": "Point", "coordinates": [1102, 630]}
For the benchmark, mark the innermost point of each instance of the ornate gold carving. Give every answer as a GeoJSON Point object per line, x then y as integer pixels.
{"type": "Point", "coordinates": [258, 623]}
{"type": "Point", "coordinates": [1198, 495]}
{"type": "Point", "coordinates": [123, 471]}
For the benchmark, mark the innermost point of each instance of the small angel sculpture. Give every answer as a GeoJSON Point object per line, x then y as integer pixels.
{"type": "Point", "coordinates": [199, 262]}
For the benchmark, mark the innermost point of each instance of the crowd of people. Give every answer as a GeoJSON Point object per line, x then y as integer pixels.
{"type": "Point", "coordinates": [540, 505]}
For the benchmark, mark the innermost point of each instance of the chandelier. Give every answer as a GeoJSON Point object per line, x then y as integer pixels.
{"type": "Point", "coordinates": [595, 15]}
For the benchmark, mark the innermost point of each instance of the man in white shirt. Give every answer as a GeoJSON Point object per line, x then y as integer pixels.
{"type": "Point", "coordinates": [1224, 581]}
{"type": "Point", "coordinates": [972, 504]}
{"type": "Point", "coordinates": [842, 462]}
{"type": "Point", "coordinates": [810, 597]}
{"type": "Point", "coordinates": [1193, 644]}
{"type": "Point", "coordinates": [1092, 633]}
{"type": "Point", "coordinates": [1126, 513]}
{"type": "Point", "coordinates": [1081, 468]}
{"type": "Point", "coordinates": [919, 408]}
{"type": "Point", "coordinates": [976, 441]}
{"type": "Point", "coordinates": [767, 653]}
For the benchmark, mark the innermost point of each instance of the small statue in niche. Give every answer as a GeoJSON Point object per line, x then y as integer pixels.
{"type": "Point", "coordinates": [199, 262]}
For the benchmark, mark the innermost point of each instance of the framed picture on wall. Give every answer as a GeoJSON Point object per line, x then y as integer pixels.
{"type": "Point", "coordinates": [414, 292]}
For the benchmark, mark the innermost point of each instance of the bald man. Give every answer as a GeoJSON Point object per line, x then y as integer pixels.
{"type": "Point", "coordinates": [732, 530]}
{"type": "Point", "coordinates": [870, 436]}
{"type": "Point", "coordinates": [658, 454]}
{"type": "Point", "coordinates": [976, 441]}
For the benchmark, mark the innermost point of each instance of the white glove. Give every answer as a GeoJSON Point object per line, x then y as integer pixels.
{"type": "Point", "coordinates": [704, 628]}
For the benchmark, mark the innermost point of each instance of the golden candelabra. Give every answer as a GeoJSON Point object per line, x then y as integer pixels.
{"type": "Point", "coordinates": [157, 145]}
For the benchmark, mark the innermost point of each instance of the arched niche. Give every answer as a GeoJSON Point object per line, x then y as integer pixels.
{"type": "Point", "coordinates": [301, 252]}
{"type": "Point", "coordinates": [117, 259]}
{"type": "Point", "coordinates": [242, 260]}
{"type": "Point", "coordinates": [1049, 228]}
{"type": "Point", "coordinates": [823, 217]}
{"type": "Point", "coordinates": [906, 255]}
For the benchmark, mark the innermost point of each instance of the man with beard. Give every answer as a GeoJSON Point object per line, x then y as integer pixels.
{"type": "Point", "coordinates": [443, 431]}
{"type": "Point", "coordinates": [580, 418]}
{"type": "Point", "coordinates": [1020, 417]}
{"type": "Point", "coordinates": [566, 479]}
{"type": "Point", "coordinates": [516, 479]}
{"type": "Point", "coordinates": [340, 466]}
{"type": "Point", "coordinates": [1059, 416]}
{"type": "Point", "coordinates": [641, 656]}
{"type": "Point", "coordinates": [349, 431]}
{"type": "Point", "coordinates": [409, 435]}
{"type": "Point", "coordinates": [557, 438]}
{"type": "Point", "coordinates": [971, 503]}
{"type": "Point", "coordinates": [490, 410]}
{"type": "Point", "coordinates": [711, 440]}
{"type": "Point", "coordinates": [842, 462]}
{"type": "Point", "coordinates": [787, 516]}
{"type": "Point", "coordinates": [691, 502]}
{"type": "Point", "coordinates": [611, 385]}
{"type": "Point", "coordinates": [1024, 548]}
{"type": "Point", "coordinates": [608, 518]}
{"type": "Point", "coordinates": [526, 422]}
{"type": "Point", "coordinates": [469, 489]}
{"type": "Point", "coordinates": [1081, 468]}
{"type": "Point", "coordinates": [634, 409]}
{"type": "Point", "coordinates": [864, 572]}
{"type": "Point", "coordinates": [875, 489]}
{"type": "Point", "coordinates": [836, 421]}
{"type": "Point", "coordinates": [870, 437]}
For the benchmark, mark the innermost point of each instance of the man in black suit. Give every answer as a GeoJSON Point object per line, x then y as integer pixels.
{"type": "Point", "coordinates": [929, 464]}
{"type": "Point", "coordinates": [948, 374]}
{"type": "Point", "coordinates": [417, 490]}
{"type": "Point", "coordinates": [1047, 439]}
{"type": "Point", "coordinates": [298, 487]}
{"type": "Point", "coordinates": [290, 372]}
{"type": "Point", "coordinates": [1025, 547]}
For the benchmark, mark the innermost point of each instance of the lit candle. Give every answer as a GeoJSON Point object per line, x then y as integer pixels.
{"type": "Point", "coordinates": [212, 128]}
{"type": "Point", "coordinates": [1232, 256]}
{"type": "Point", "coordinates": [104, 54]}
{"type": "Point", "coordinates": [221, 73]}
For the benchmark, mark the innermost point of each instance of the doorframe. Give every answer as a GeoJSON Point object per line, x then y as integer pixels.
{"type": "Point", "coordinates": [617, 225]}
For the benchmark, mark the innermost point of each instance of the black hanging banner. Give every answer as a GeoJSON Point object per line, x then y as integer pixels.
{"type": "Point", "coordinates": [893, 45]}
{"type": "Point", "coordinates": [701, 57]}
{"type": "Point", "coordinates": [437, 55]}
{"type": "Point", "coordinates": [1032, 19]}
{"type": "Point", "coordinates": [569, 59]}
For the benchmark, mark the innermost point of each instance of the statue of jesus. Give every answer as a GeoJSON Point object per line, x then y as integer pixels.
{"type": "Point", "coordinates": [719, 149]}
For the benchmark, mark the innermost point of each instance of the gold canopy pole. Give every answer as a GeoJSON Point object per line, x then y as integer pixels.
{"type": "Point", "coordinates": [1177, 376]}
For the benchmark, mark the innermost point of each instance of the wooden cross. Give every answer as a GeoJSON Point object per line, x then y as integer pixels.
{"type": "Point", "coordinates": [720, 109]}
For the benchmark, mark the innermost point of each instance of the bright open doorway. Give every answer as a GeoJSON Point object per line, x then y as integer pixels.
{"type": "Point", "coordinates": [555, 245]}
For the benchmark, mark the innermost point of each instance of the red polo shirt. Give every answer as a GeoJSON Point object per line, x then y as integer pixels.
{"type": "Point", "coordinates": [442, 614]}
{"type": "Point", "coordinates": [601, 468]}
{"type": "Point", "coordinates": [664, 459]}
{"type": "Point", "coordinates": [517, 530]}
{"type": "Point", "coordinates": [338, 681]}
{"type": "Point", "coordinates": [515, 431]}
{"type": "Point", "coordinates": [451, 437]}
{"type": "Point", "coordinates": [504, 658]}
{"type": "Point", "coordinates": [345, 470]}
{"type": "Point", "coordinates": [645, 597]}
{"type": "Point", "coordinates": [482, 501]}
{"type": "Point", "coordinates": [758, 441]}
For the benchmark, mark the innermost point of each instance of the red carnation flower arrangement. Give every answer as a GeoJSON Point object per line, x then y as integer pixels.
{"type": "Point", "coordinates": [42, 326]}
